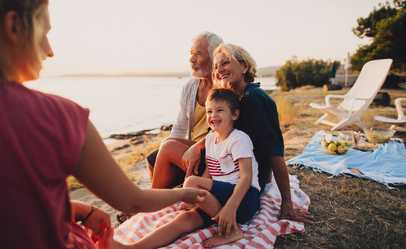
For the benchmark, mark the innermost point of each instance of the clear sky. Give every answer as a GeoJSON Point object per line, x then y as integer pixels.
{"type": "Point", "coordinates": [106, 36]}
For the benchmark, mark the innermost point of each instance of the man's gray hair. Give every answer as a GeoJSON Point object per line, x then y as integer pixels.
{"type": "Point", "coordinates": [212, 39]}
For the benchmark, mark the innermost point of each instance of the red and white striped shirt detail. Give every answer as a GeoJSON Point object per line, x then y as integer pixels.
{"type": "Point", "coordinates": [214, 168]}
{"type": "Point", "coordinates": [222, 157]}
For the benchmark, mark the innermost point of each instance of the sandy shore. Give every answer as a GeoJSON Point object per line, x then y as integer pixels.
{"type": "Point", "coordinates": [297, 122]}
{"type": "Point", "coordinates": [142, 181]}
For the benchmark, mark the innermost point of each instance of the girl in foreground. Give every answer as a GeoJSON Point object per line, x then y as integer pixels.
{"type": "Point", "coordinates": [44, 139]}
{"type": "Point", "coordinates": [231, 177]}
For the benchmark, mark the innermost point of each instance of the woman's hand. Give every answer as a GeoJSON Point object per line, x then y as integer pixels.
{"type": "Point", "coordinates": [191, 158]}
{"type": "Point", "coordinates": [289, 213]}
{"type": "Point", "coordinates": [98, 222]}
{"type": "Point", "coordinates": [193, 195]}
{"type": "Point", "coordinates": [227, 221]}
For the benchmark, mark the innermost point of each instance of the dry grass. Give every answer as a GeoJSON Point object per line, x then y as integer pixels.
{"type": "Point", "coordinates": [286, 110]}
{"type": "Point", "coordinates": [349, 212]}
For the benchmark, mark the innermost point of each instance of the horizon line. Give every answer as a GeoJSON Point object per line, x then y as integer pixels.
{"type": "Point", "coordinates": [263, 71]}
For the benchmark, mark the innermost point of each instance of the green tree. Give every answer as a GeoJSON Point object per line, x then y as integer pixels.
{"type": "Point", "coordinates": [386, 27]}
{"type": "Point", "coordinates": [295, 73]}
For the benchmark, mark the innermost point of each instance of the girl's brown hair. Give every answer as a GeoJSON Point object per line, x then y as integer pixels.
{"type": "Point", "coordinates": [25, 10]}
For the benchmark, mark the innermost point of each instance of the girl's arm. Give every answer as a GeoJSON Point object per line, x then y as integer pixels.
{"type": "Point", "coordinates": [99, 172]}
{"type": "Point", "coordinates": [227, 217]}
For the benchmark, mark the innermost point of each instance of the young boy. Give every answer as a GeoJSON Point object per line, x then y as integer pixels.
{"type": "Point", "coordinates": [231, 176]}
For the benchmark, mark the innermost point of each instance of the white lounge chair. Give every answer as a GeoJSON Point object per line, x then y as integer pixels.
{"type": "Point", "coordinates": [401, 115]}
{"type": "Point", "coordinates": [358, 98]}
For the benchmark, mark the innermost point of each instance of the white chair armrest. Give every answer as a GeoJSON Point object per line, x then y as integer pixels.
{"type": "Point", "coordinates": [398, 105]}
{"type": "Point", "coordinates": [331, 96]}
{"type": "Point", "coordinates": [360, 98]}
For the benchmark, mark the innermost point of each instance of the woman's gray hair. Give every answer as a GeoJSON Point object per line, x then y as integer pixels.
{"type": "Point", "coordinates": [213, 40]}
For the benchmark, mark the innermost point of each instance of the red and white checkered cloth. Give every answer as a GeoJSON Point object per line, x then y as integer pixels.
{"type": "Point", "coordinates": [261, 232]}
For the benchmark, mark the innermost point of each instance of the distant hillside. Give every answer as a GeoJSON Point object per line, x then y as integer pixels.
{"type": "Point", "coordinates": [267, 71]}
{"type": "Point", "coordinates": [262, 72]}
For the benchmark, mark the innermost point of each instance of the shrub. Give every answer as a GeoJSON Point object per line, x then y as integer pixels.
{"type": "Point", "coordinates": [295, 73]}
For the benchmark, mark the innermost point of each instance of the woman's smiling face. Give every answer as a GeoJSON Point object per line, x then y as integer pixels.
{"type": "Point", "coordinates": [227, 71]}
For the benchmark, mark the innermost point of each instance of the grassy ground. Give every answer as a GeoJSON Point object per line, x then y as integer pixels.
{"type": "Point", "coordinates": [349, 212]}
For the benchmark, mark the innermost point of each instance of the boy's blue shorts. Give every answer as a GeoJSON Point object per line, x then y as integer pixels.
{"type": "Point", "coordinates": [222, 191]}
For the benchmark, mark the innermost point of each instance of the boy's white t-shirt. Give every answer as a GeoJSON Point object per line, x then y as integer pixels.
{"type": "Point", "coordinates": [222, 157]}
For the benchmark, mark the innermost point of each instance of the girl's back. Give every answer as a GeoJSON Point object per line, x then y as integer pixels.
{"type": "Point", "coordinates": [41, 137]}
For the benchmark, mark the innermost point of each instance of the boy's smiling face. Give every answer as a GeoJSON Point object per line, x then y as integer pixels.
{"type": "Point", "coordinates": [220, 117]}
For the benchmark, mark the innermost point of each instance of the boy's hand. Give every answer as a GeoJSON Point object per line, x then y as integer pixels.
{"type": "Point", "coordinates": [227, 221]}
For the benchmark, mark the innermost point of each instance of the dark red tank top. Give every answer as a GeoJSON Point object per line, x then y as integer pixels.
{"type": "Point", "coordinates": [41, 137]}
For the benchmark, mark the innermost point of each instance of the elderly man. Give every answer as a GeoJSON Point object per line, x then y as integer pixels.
{"type": "Point", "coordinates": [166, 165]}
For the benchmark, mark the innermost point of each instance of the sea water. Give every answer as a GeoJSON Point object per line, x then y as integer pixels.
{"type": "Point", "coordinates": [124, 104]}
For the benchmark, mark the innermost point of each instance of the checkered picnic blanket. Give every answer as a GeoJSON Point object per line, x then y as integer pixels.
{"type": "Point", "coordinates": [260, 232]}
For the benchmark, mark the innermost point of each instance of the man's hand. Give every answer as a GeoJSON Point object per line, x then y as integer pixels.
{"type": "Point", "coordinates": [289, 213]}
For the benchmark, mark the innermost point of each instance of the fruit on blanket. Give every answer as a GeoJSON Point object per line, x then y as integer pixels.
{"type": "Point", "coordinates": [335, 143]}
{"type": "Point", "coordinates": [336, 147]}
{"type": "Point", "coordinates": [341, 149]}
{"type": "Point", "coordinates": [332, 147]}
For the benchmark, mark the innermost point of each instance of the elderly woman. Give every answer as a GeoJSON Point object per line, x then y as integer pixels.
{"type": "Point", "coordinates": [44, 139]}
{"type": "Point", "coordinates": [234, 68]}
{"type": "Point", "coordinates": [191, 126]}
